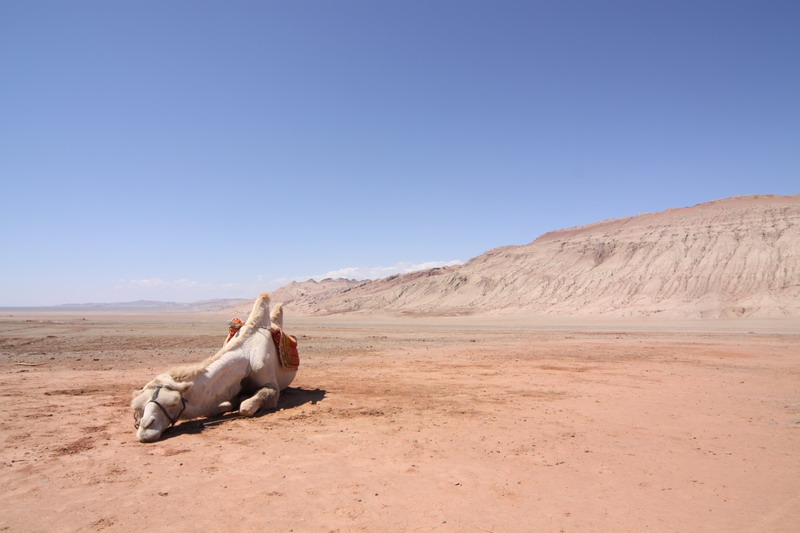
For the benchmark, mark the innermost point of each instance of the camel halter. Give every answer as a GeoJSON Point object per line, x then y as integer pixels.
{"type": "Point", "coordinates": [154, 399]}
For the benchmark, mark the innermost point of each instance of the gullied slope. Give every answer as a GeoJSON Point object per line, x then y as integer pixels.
{"type": "Point", "coordinates": [733, 257]}
{"type": "Point", "coordinates": [311, 290]}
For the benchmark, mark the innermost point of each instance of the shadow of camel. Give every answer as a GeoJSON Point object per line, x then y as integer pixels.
{"type": "Point", "coordinates": [290, 398]}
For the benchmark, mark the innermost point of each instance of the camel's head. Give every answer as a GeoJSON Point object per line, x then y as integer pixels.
{"type": "Point", "coordinates": [157, 406]}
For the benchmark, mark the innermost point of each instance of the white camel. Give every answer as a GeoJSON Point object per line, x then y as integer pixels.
{"type": "Point", "coordinates": [248, 364]}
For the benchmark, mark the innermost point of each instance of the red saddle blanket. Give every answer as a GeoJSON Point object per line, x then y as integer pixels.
{"type": "Point", "coordinates": [287, 348]}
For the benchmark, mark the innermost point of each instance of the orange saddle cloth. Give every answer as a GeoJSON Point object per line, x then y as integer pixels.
{"type": "Point", "coordinates": [287, 348]}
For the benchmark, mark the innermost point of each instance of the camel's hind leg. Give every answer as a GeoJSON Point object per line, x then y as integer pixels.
{"type": "Point", "coordinates": [265, 398]}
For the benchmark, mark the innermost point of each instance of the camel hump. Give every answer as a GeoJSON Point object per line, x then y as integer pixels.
{"type": "Point", "coordinates": [259, 316]}
{"type": "Point", "coordinates": [276, 316]}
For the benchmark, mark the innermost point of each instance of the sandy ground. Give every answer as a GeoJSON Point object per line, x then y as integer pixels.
{"type": "Point", "coordinates": [457, 424]}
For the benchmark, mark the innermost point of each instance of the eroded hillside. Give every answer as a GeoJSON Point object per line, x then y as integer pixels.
{"type": "Point", "coordinates": [733, 257]}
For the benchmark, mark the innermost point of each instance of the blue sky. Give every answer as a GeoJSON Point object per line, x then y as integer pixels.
{"type": "Point", "coordinates": [187, 150]}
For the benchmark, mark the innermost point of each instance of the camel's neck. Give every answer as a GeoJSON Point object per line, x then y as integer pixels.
{"type": "Point", "coordinates": [218, 382]}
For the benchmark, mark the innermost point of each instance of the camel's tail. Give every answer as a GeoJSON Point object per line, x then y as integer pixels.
{"type": "Point", "coordinates": [276, 316]}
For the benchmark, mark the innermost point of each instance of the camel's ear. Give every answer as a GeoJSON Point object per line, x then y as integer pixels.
{"type": "Point", "coordinates": [181, 386]}
{"type": "Point", "coordinates": [136, 392]}
{"type": "Point", "coordinates": [169, 381]}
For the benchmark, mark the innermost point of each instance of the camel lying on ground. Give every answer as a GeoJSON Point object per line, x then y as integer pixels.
{"type": "Point", "coordinates": [249, 364]}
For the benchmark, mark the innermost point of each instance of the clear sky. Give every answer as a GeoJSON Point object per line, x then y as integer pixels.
{"type": "Point", "coordinates": [185, 150]}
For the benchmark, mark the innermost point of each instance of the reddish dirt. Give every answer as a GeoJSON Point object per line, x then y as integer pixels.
{"type": "Point", "coordinates": [409, 425]}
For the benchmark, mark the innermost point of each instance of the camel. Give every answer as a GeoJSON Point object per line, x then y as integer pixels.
{"type": "Point", "coordinates": [248, 364]}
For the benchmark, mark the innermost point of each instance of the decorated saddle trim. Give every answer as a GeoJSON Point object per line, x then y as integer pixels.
{"type": "Point", "coordinates": [234, 325]}
{"type": "Point", "coordinates": [287, 348]}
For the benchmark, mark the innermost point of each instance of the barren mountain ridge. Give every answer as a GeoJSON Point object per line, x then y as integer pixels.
{"type": "Point", "coordinates": [733, 257]}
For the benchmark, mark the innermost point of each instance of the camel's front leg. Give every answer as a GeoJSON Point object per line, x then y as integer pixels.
{"type": "Point", "coordinates": [266, 397]}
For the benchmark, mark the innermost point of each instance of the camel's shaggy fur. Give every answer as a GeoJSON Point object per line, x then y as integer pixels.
{"type": "Point", "coordinates": [247, 364]}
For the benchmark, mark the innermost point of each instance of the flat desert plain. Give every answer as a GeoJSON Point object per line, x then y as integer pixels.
{"type": "Point", "coordinates": [466, 424]}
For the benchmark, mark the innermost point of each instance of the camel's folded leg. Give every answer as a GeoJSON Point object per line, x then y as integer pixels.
{"type": "Point", "coordinates": [266, 397]}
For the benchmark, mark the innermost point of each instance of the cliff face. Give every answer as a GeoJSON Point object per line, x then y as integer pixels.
{"type": "Point", "coordinates": [733, 257]}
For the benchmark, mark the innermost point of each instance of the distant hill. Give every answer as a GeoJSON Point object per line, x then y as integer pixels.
{"type": "Point", "coordinates": [733, 257]}
{"type": "Point", "coordinates": [312, 290]}
{"type": "Point", "coordinates": [151, 306]}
